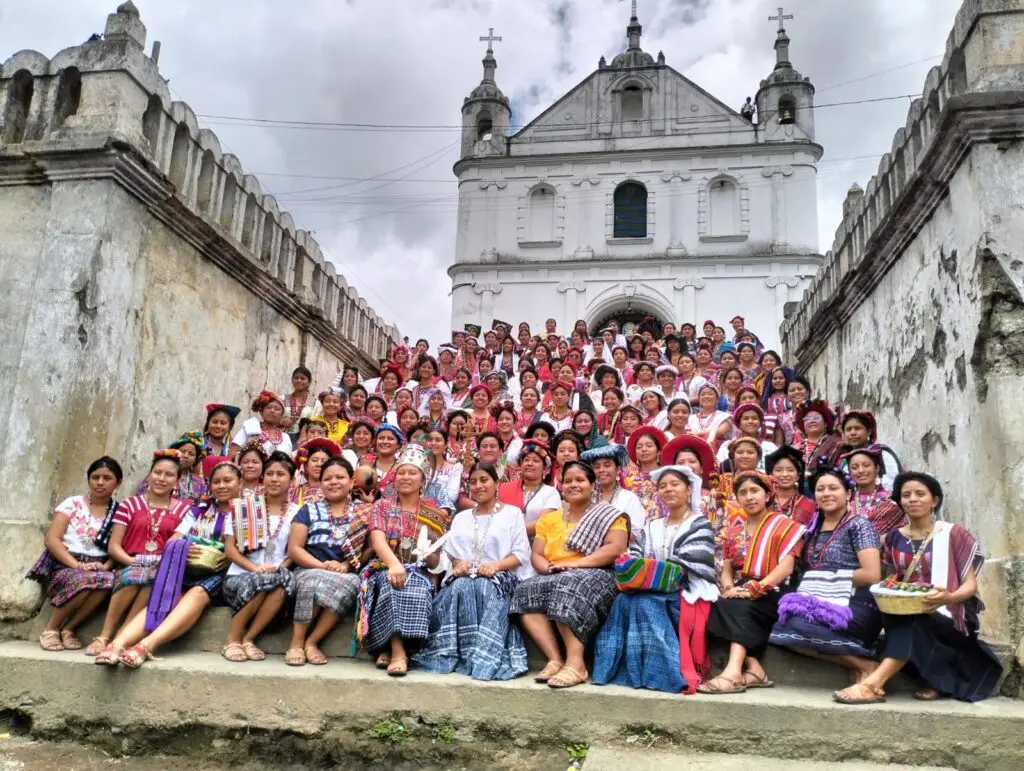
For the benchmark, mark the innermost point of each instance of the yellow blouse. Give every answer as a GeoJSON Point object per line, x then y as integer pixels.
{"type": "Point", "coordinates": [553, 528]}
{"type": "Point", "coordinates": [337, 434]}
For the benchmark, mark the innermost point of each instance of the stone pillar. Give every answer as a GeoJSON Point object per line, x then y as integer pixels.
{"type": "Point", "coordinates": [777, 175]}
{"type": "Point", "coordinates": [486, 290]}
{"type": "Point", "coordinates": [586, 187]}
{"type": "Point", "coordinates": [675, 181]}
{"type": "Point", "coordinates": [781, 285]}
{"type": "Point", "coordinates": [686, 299]}
{"type": "Point", "coordinates": [572, 291]}
{"type": "Point", "coordinates": [492, 211]}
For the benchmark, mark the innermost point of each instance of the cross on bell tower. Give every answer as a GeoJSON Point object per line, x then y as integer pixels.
{"type": "Point", "coordinates": [490, 38]}
{"type": "Point", "coordinates": [781, 40]}
{"type": "Point", "coordinates": [781, 18]}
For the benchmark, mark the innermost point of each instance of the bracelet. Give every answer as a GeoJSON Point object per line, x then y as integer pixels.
{"type": "Point", "coordinates": [756, 589]}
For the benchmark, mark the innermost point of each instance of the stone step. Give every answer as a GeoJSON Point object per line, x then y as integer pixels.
{"type": "Point", "coordinates": [784, 667]}
{"type": "Point", "coordinates": [611, 758]}
{"type": "Point", "coordinates": [186, 699]}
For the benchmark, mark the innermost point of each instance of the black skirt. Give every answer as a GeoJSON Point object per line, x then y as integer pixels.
{"type": "Point", "coordinates": [747, 622]}
{"type": "Point", "coordinates": [954, 664]}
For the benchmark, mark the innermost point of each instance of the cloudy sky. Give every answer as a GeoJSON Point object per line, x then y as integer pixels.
{"type": "Point", "coordinates": [382, 201]}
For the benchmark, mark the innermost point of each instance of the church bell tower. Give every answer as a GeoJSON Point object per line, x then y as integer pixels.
{"type": "Point", "coordinates": [486, 112]}
{"type": "Point", "coordinates": [785, 101]}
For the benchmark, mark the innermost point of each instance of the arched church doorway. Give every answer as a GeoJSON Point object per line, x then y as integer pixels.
{"type": "Point", "coordinates": [631, 322]}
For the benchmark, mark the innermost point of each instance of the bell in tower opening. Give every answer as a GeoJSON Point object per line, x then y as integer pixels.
{"type": "Point", "coordinates": [787, 110]}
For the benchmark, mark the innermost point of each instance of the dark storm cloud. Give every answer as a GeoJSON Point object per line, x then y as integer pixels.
{"type": "Point", "coordinates": [402, 62]}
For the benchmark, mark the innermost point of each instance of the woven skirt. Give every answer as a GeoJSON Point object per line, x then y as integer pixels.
{"type": "Point", "coordinates": [63, 584]}
{"type": "Point", "coordinates": [954, 664]}
{"type": "Point", "coordinates": [335, 592]}
{"type": "Point", "coordinates": [142, 572]}
{"type": "Point", "coordinates": [580, 598]}
{"type": "Point", "coordinates": [747, 622]}
{"type": "Point", "coordinates": [240, 590]}
{"type": "Point", "coordinates": [403, 612]}
{"type": "Point", "coordinates": [858, 639]}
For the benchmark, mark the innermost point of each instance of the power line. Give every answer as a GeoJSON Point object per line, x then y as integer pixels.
{"type": "Point", "coordinates": [877, 74]}
{"type": "Point", "coordinates": [333, 126]}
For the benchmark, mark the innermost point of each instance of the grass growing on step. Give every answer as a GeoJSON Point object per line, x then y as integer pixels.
{"type": "Point", "coordinates": [444, 732]}
{"type": "Point", "coordinates": [391, 729]}
{"type": "Point", "coordinates": [577, 754]}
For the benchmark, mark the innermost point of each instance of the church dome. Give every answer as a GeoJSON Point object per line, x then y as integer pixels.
{"type": "Point", "coordinates": [488, 91]}
{"type": "Point", "coordinates": [633, 58]}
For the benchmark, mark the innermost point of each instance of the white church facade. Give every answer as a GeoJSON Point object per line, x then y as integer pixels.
{"type": "Point", "coordinates": [637, 193]}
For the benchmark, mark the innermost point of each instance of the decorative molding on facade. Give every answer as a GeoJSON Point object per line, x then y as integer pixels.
{"type": "Point", "coordinates": [771, 171]}
{"type": "Point", "coordinates": [487, 286]}
{"type": "Point", "coordinates": [682, 176]}
{"type": "Point", "coordinates": [523, 216]}
{"type": "Point", "coordinates": [773, 281]}
{"type": "Point", "coordinates": [704, 207]}
{"type": "Point", "coordinates": [694, 281]}
{"type": "Point", "coordinates": [594, 181]}
{"type": "Point", "coordinates": [565, 286]}
{"type": "Point", "coordinates": [501, 184]}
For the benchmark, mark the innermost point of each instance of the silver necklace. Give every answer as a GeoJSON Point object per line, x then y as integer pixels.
{"type": "Point", "coordinates": [480, 539]}
{"type": "Point", "coordinates": [668, 538]}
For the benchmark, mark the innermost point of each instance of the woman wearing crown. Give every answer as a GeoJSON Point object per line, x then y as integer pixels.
{"type": "Point", "coordinates": [397, 592]}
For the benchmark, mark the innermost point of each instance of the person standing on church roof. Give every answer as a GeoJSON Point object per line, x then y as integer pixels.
{"type": "Point", "coordinates": [266, 428]}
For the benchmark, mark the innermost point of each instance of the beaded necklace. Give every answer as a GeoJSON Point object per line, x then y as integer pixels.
{"type": "Point", "coordinates": [480, 540]}
{"type": "Point", "coordinates": [154, 524]}
{"type": "Point", "coordinates": [865, 503]}
{"type": "Point", "coordinates": [816, 556]}
{"type": "Point", "coordinates": [294, 407]}
{"type": "Point", "coordinates": [668, 538]}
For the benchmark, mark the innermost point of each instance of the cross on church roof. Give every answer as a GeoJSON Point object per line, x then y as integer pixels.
{"type": "Point", "coordinates": [781, 19]}
{"type": "Point", "coordinates": [634, 9]}
{"type": "Point", "coordinates": [490, 39]}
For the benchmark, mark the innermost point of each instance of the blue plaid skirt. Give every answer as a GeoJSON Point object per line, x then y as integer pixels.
{"type": "Point", "coordinates": [470, 630]}
{"type": "Point", "coordinates": [638, 645]}
{"type": "Point", "coordinates": [404, 612]}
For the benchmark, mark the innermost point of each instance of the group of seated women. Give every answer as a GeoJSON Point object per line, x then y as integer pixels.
{"type": "Point", "coordinates": [628, 532]}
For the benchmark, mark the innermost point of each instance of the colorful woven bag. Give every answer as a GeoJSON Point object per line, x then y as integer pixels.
{"type": "Point", "coordinates": [646, 574]}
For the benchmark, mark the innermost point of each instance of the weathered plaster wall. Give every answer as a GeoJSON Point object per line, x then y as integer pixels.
{"type": "Point", "coordinates": [938, 351]}
{"type": "Point", "coordinates": [118, 333]}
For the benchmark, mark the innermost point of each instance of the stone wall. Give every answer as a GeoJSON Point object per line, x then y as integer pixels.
{"type": "Point", "coordinates": [142, 275]}
{"type": "Point", "coordinates": [918, 313]}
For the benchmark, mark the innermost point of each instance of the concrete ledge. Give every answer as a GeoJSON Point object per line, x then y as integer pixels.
{"type": "Point", "coordinates": [342, 702]}
{"type": "Point", "coordinates": [209, 635]}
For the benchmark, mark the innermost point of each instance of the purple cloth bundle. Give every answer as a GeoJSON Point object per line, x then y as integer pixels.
{"type": "Point", "coordinates": [811, 608]}
{"type": "Point", "coordinates": [167, 586]}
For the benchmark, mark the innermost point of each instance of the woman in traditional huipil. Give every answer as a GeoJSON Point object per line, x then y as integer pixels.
{"type": "Point", "coordinates": [941, 646]}
{"type": "Point", "coordinates": [74, 568]}
{"type": "Point", "coordinates": [609, 463]}
{"type": "Point", "coordinates": [326, 545]}
{"type": "Point", "coordinates": [871, 500]}
{"type": "Point", "coordinates": [697, 455]}
{"type": "Point", "coordinates": [180, 597]}
{"type": "Point", "coordinates": [298, 404]}
{"type": "Point", "coordinates": [444, 474]}
{"type": "Point", "coordinates": [141, 528]}
{"type": "Point", "coordinates": [428, 383]}
{"type": "Point", "coordinates": [529, 398]}
{"type": "Point", "coordinates": [573, 554]}
{"type": "Point", "coordinates": [388, 440]}
{"type": "Point", "coordinates": [860, 429]}
{"type": "Point", "coordinates": [259, 579]}
{"type": "Point", "coordinates": [250, 460]}
{"type": "Point", "coordinates": [656, 638]}
{"type": "Point", "coordinates": [220, 422]}
{"type": "Point", "coordinates": [470, 629]}
{"type": "Point", "coordinates": [786, 468]}
{"type": "Point", "coordinates": [334, 416]}
{"type": "Point", "coordinates": [311, 458]}
{"type": "Point", "coordinates": [709, 422]}
{"type": "Point", "coordinates": [361, 440]}
{"type": "Point", "coordinates": [397, 592]}
{"type": "Point", "coordinates": [644, 446]}
{"type": "Point", "coordinates": [832, 615]}
{"type": "Point", "coordinates": [266, 428]}
{"type": "Point", "coordinates": [529, 493]}
{"type": "Point", "coordinates": [191, 449]}
{"type": "Point", "coordinates": [759, 551]}
{"type": "Point", "coordinates": [778, 412]}
{"type": "Point", "coordinates": [820, 447]}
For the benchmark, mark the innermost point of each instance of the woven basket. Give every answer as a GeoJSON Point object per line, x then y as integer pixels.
{"type": "Point", "coordinates": [897, 603]}
{"type": "Point", "coordinates": [208, 557]}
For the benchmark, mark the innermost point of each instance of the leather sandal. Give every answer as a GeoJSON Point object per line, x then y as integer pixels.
{"type": "Point", "coordinates": [295, 657]}
{"type": "Point", "coordinates": [560, 681]}
{"type": "Point", "coordinates": [383, 660]}
{"type": "Point", "coordinates": [97, 645]}
{"type": "Point", "coordinates": [868, 695]}
{"type": "Point", "coordinates": [136, 656]}
{"type": "Point", "coordinates": [398, 667]}
{"type": "Point", "coordinates": [110, 655]}
{"type": "Point", "coordinates": [551, 669]}
{"type": "Point", "coordinates": [758, 682]}
{"type": "Point", "coordinates": [234, 652]}
{"type": "Point", "coordinates": [50, 641]}
{"type": "Point", "coordinates": [70, 640]}
{"type": "Point", "coordinates": [315, 656]}
{"type": "Point", "coordinates": [711, 687]}
{"type": "Point", "coordinates": [252, 653]}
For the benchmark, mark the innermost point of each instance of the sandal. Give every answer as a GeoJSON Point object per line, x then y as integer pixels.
{"type": "Point", "coordinates": [575, 678]}
{"type": "Point", "coordinates": [110, 655]}
{"type": "Point", "coordinates": [295, 657]}
{"type": "Point", "coordinates": [136, 656]}
{"type": "Point", "coordinates": [398, 668]}
{"type": "Point", "coordinates": [551, 669]}
{"type": "Point", "coordinates": [234, 652]}
{"type": "Point", "coordinates": [759, 682]}
{"type": "Point", "coordinates": [927, 694]}
{"type": "Point", "coordinates": [97, 645]}
{"type": "Point", "coordinates": [314, 655]}
{"type": "Point", "coordinates": [50, 641]}
{"type": "Point", "coordinates": [70, 640]}
{"type": "Point", "coordinates": [710, 688]}
{"type": "Point", "coordinates": [383, 660]}
{"type": "Point", "coordinates": [847, 695]}
{"type": "Point", "coordinates": [252, 653]}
